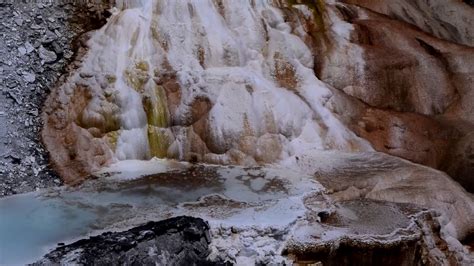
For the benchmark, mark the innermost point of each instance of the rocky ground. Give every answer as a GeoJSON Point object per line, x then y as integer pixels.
{"type": "Point", "coordinates": [375, 233]}
{"type": "Point", "coordinates": [37, 42]}
{"type": "Point", "coordinates": [176, 241]}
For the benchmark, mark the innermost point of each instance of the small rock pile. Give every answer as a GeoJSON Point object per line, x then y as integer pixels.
{"type": "Point", "coordinates": [36, 45]}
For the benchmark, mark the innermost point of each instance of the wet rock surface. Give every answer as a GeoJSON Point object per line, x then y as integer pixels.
{"type": "Point", "coordinates": [363, 218]}
{"type": "Point", "coordinates": [36, 45]}
{"type": "Point", "coordinates": [160, 98]}
{"type": "Point", "coordinates": [254, 214]}
{"type": "Point", "coordinates": [411, 95]}
{"type": "Point", "coordinates": [377, 233]}
{"type": "Point", "coordinates": [176, 241]}
{"type": "Point", "coordinates": [431, 16]}
{"type": "Point", "coordinates": [356, 232]}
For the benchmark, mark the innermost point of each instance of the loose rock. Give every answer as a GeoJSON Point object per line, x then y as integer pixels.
{"type": "Point", "coordinates": [28, 38]}
{"type": "Point", "coordinates": [46, 55]}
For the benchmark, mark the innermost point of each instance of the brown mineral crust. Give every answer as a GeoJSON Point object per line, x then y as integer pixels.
{"type": "Point", "coordinates": [414, 91]}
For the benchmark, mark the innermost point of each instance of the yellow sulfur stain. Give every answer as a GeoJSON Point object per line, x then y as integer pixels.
{"type": "Point", "coordinates": [138, 76]}
{"type": "Point", "coordinates": [156, 109]}
{"type": "Point", "coordinates": [112, 138]}
{"type": "Point", "coordinates": [158, 141]}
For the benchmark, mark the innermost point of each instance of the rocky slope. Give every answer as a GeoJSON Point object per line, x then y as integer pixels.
{"type": "Point", "coordinates": [36, 45]}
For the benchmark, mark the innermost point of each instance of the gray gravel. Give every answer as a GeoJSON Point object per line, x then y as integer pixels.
{"type": "Point", "coordinates": [37, 42]}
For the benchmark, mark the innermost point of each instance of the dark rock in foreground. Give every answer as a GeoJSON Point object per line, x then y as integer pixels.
{"type": "Point", "coordinates": [176, 241]}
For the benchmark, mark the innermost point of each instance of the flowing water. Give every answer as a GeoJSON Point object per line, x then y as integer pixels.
{"type": "Point", "coordinates": [162, 78]}
{"type": "Point", "coordinates": [221, 81]}
{"type": "Point", "coordinates": [218, 81]}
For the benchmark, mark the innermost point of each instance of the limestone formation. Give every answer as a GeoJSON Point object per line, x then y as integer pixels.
{"type": "Point", "coordinates": [314, 87]}
{"type": "Point", "coordinates": [409, 94]}
{"type": "Point", "coordinates": [203, 88]}
{"type": "Point", "coordinates": [144, 93]}
{"type": "Point", "coordinates": [432, 16]}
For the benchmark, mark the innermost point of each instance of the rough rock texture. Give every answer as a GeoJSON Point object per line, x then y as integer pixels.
{"type": "Point", "coordinates": [407, 93]}
{"type": "Point", "coordinates": [36, 45]}
{"type": "Point", "coordinates": [418, 240]}
{"type": "Point", "coordinates": [252, 83]}
{"type": "Point", "coordinates": [378, 176]}
{"type": "Point", "coordinates": [450, 19]}
{"type": "Point", "coordinates": [295, 81]}
{"type": "Point", "coordinates": [401, 234]}
{"type": "Point", "coordinates": [176, 241]}
{"type": "Point", "coordinates": [410, 95]}
{"type": "Point", "coordinates": [147, 88]}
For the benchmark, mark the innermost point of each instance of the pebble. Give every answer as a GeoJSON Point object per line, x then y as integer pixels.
{"type": "Point", "coordinates": [29, 77]}
{"type": "Point", "coordinates": [49, 37]}
{"type": "Point", "coordinates": [57, 48]}
{"type": "Point", "coordinates": [29, 48]}
{"type": "Point", "coordinates": [35, 26]}
{"type": "Point", "coordinates": [22, 50]}
{"type": "Point", "coordinates": [46, 55]}
{"type": "Point", "coordinates": [19, 21]}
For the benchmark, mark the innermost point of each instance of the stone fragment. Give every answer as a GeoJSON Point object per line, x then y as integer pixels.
{"type": "Point", "coordinates": [57, 48]}
{"type": "Point", "coordinates": [46, 55]}
{"type": "Point", "coordinates": [180, 241]}
{"type": "Point", "coordinates": [22, 50]}
{"type": "Point", "coordinates": [35, 26]}
{"type": "Point", "coordinates": [29, 48]}
{"type": "Point", "coordinates": [49, 37]}
{"type": "Point", "coordinates": [19, 21]}
{"type": "Point", "coordinates": [29, 77]}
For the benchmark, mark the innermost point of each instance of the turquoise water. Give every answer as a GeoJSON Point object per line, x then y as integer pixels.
{"type": "Point", "coordinates": [29, 225]}
{"type": "Point", "coordinates": [32, 224]}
